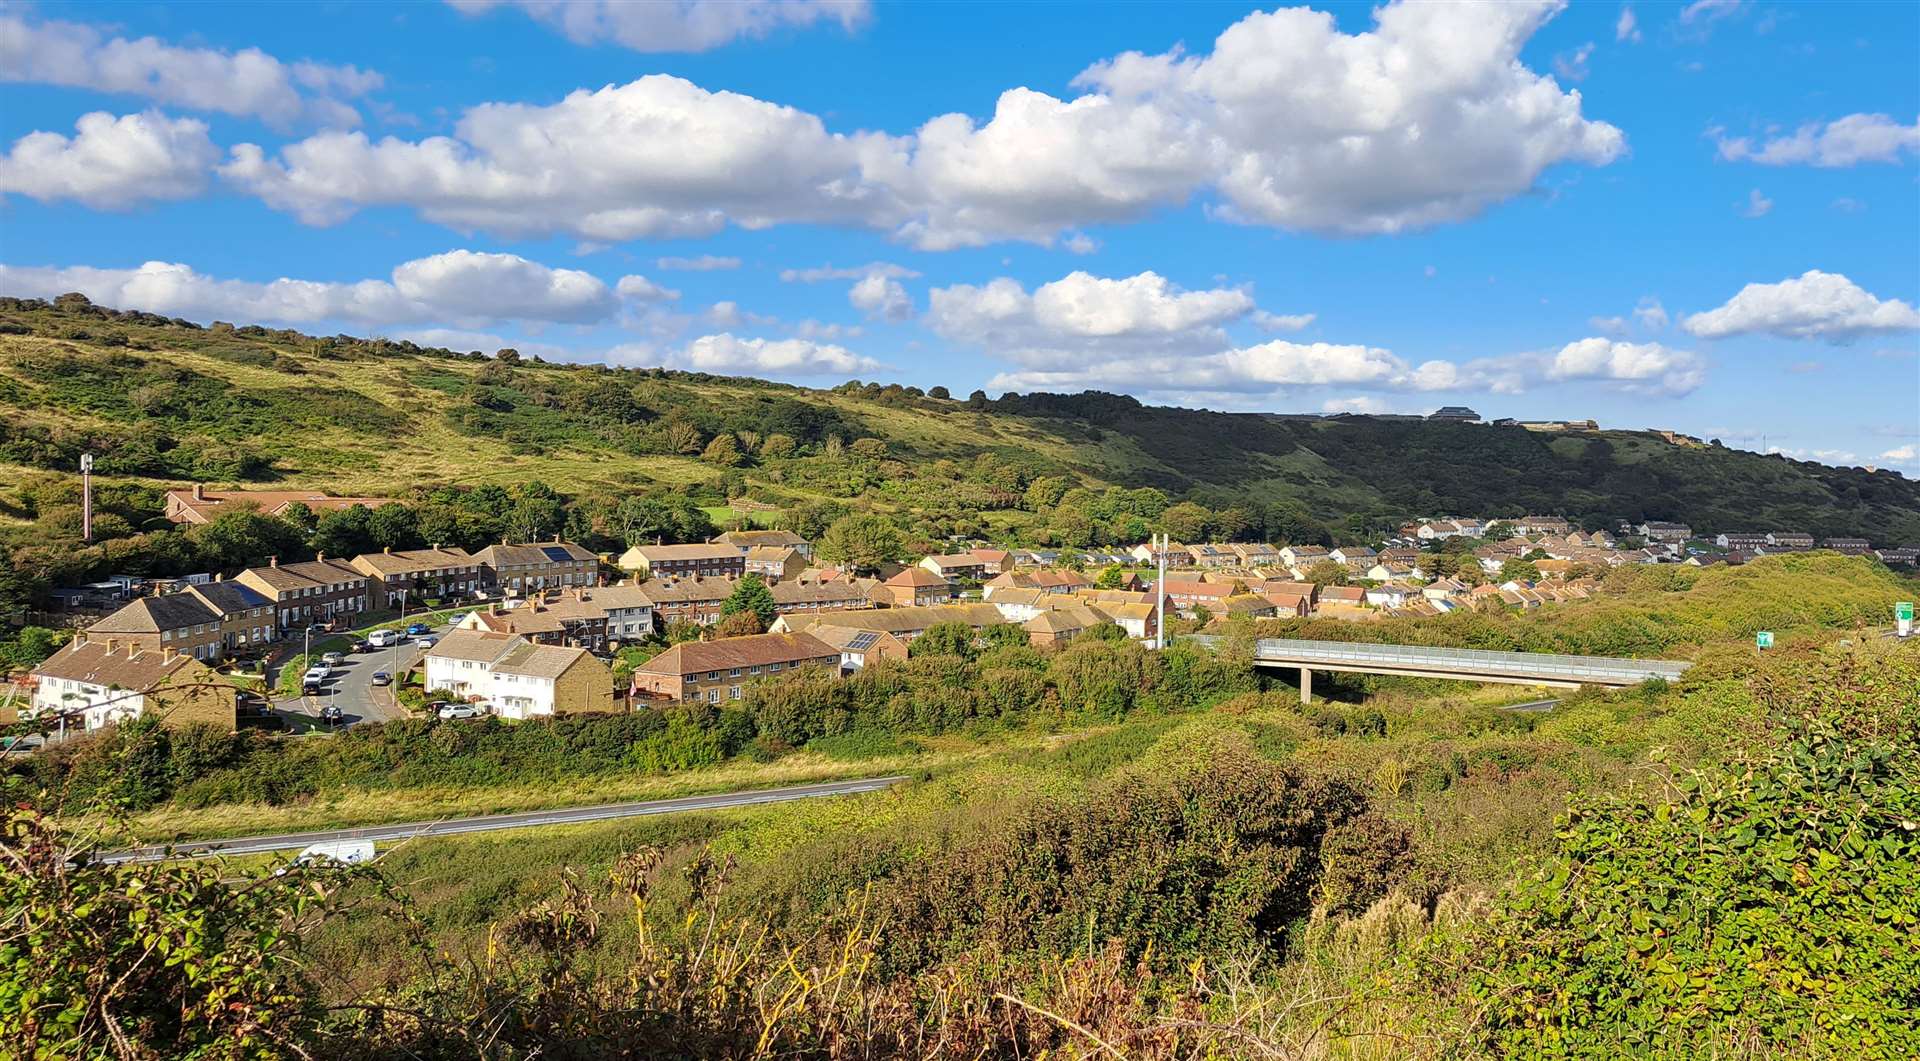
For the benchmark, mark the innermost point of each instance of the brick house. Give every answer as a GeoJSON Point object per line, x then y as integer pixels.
{"type": "Point", "coordinates": [1063, 623]}
{"type": "Point", "coordinates": [993, 561]}
{"type": "Point", "coordinates": [523, 570]}
{"type": "Point", "coordinates": [745, 540]}
{"type": "Point", "coordinates": [792, 598]}
{"type": "Point", "coordinates": [716, 671]}
{"type": "Point", "coordinates": [107, 680]}
{"type": "Point", "coordinates": [903, 623]}
{"type": "Point", "coordinates": [860, 647]}
{"type": "Point", "coordinates": [314, 591]}
{"type": "Point", "coordinates": [775, 563]}
{"type": "Point", "coordinates": [518, 678]}
{"type": "Point", "coordinates": [951, 566]}
{"type": "Point", "coordinates": [201, 505]}
{"type": "Point", "coordinates": [687, 600]}
{"type": "Point", "coordinates": [438, 573]}
{"type": "Point", "coordinates": [714, 560]}
{"type": "Point", "coordinates": [915, 587]}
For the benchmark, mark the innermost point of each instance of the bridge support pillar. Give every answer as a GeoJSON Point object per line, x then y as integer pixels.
{"type": "Point", "coordinates": [1306, 686]}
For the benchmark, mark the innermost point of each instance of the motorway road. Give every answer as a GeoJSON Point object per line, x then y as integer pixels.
{"type": "Point", "coordinates": [253, 845]}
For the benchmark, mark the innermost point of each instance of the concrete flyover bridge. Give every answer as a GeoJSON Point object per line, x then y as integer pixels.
{"type": "Point", "coordinates": [1464, 664]}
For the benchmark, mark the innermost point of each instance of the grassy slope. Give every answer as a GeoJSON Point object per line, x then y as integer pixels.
{"type": "Point", "coordinates": [380, 424]}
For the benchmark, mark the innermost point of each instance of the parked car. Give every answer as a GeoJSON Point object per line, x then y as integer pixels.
{"type": "Point", "coordinates": [332, 714]}
{"type": "Point", "coordinates": [381, 677]}
{"type": "Point", "coordinates": [311, 688]}
{"type": "Point", "coordinates": [428, 641]}
{"type": "Point", "coordinates": [455, 712]}
{"type": "Point", "coordinates": [383, 638]}
{"type": "Point", "coordinates": [415, 629]}
{"type": "Point", "coordinates": [359, 645]}
{"type": "Point", "coordinates": [456, 620]}
{"type": "Point", "coordinates": [319, 672]}
{"type": "Point", "coordinates": [333, 659]}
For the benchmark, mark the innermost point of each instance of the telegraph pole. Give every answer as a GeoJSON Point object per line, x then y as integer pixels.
{"type": "Point", "coordinates": [86, 497]}
{"type": "Point", "coordinates": [1160, 595]}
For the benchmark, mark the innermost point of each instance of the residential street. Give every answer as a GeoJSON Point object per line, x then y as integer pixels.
{"type": "Point", "coordinates": [351, 687]}
{"type": "Point", "coordinates": [253, 845]}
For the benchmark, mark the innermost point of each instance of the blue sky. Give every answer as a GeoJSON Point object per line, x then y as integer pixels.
{"type": "Point", "coordinates": [1703, 217]}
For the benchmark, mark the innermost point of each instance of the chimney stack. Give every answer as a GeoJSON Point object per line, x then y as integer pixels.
{"type": "Point", "coordinates": [386, 549]}
{"type": "Point", "coordinates": [112, 643]}
{"type": "Point", "coordinates": [273, 561]}
{"type": "Point", "coordinates": [199, 491]}
{"type": "Point", "coordinates": [317, 557]}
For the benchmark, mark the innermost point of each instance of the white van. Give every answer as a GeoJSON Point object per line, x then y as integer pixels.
{"type": "Point", "coordinates": [338, 852]}
{"type": "Point", "coordinates": [383, 638]}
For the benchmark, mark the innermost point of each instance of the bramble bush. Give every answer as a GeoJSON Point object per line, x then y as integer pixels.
{"type": "Point", "coordinates": [1775, 901]}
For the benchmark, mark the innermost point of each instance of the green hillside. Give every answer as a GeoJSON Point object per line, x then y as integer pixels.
{"type": "Point", "coordinates": [158, 400]}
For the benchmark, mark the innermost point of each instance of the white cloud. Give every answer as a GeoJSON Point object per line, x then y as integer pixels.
{"type": "Point", "coordinates": [1281, 322]}
{"type": "Point", "coordinates": [1849, 205]}
{"type": "Point", "coordinates": [1264, 368]}
{"type": "Point", "coordinates": [460, 286]}
{"type": "Point", "coordinates": [1610, 325]}
{"type": "Point", "coordinates": [881, 298]}
{"type": "Point", "coordinates": [1080, 243]}
{"type": "Point", "coordinates": [1639, 366]}
{"type": "Point", "coordinates": [1081, 315]}
{"type": "Point", "coordinates": [1428, 118]}
{"type": "Point", "coordinates": [655, 158]}
{"type": "Point", "coordinates": [112, 163]}
{"type": "Point", "coordinates": [834, 332]}
{"type": "Point", "coordinates": [1626, 28]}
{"type": "Point", "coordinates": [859, 272]}
{"type": "Point", "coordinates": [1758, 205]}
{"type": "Point", "coordinates": [1902, 454]}
{"type": "Point", "coordinates": [728, 314]}
{"type": "Point", "coordinates": [727, 353]}
{"type": "Point", "coordinates": [1815, 305]}
{"type": "Point", "coordinates": [1846, 141]}
{"type": "Point", "coordinates": [248, 83]}
{"type": "Point", "coordinates": [463, 341]}
{"type": "Point", "coordinates": [1573, 66]}
{"type": "Point", "coordinates": [1651, 314]}
{"type": "Point", "coordinates": [1702, 12]}
{"type": "Point", "coordinates": [637, 288]}
{"type": "Point", "coordinates": [706, 263]}
{"type": "Point", "coordinates": [679, 26]}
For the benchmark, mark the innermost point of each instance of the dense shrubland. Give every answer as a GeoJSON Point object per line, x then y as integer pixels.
{"type": "Point", "coordinates": [1207, 894]}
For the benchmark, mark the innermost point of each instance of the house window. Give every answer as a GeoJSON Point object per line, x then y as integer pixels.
{"type": "Point", "coordinates": [733, 693]}
{"type": "Point", "coordinates": [713, 696]}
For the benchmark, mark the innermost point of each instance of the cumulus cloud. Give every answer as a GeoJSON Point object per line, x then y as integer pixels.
{"type": "Point", "coordinates": [1814, 305]}
{"type": "Point", "coordinates": [1081, 314]}
{"type": "Point", "coordinates": [706, 263]}
{"type": "Point", "coordinates": [248, 83]}
{"type": "Point", "coordinates": [1428, 118]}
{"type": "Point", "coordinates": [1638, 366]}
{"type": "Point", "coordinates": [679, 26]}
{"type": "Point", "coordinates": [637, 288]}
{"type": "Point", "coordinates": [1264, 368]}
{"type": "Point", "coordinates": [728, 314]}
{"type": "Point", "coordinates": [1758, 205]}
{"type": "Point", "coordinates": [859, 272]}
{"type": "Point", "coordinates": [1651, 314]}
{"type": "Point", "coordinates": [881, 298]}
{"type": "Point", "coordinates": [655, 158]}
{"type": "Point", "coordinates": [112, 163]}
{"type": "Point", "coordinates": [1901, 454]}
{"type": "Point", "coordinates": [1359, 403]}
{"type": "Point", "coordinates": [1842, 142]}
{"type": "Point", "coordinates": [460, 286]}
{"type": "Point", "coordinates": [727, 353]}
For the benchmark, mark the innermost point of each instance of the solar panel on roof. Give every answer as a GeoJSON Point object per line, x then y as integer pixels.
{"type": "Point", "coordinates": [555, 553]}
{"type": "Point", "coordinates": [863, 640]}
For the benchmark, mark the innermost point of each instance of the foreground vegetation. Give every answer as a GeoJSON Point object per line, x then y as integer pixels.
{"type": "Point", "coordinates": [1202, 885]}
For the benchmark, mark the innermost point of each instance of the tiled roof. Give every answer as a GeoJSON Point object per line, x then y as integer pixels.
{"type": "Point", "coordinates": [917, 578]}
{"type": "Point", "coordinates": [654, 554]}
{"type": "Point", "coordinates": [816, 592]}
{"type": "Point", "coordinates": [752, 538]}
{"type": "Point", "coordinates": [482, 646]}
{"type": "Point", "coordinates": [228, 598]}
{"type": "Point", "coordinates": [903, 620]}
{"type": "Point", "coordinates": [150, 615]}
{"type": "Point", "coordinates": [757, 650]}
{"type": "Point", "coordinates": [539, 661]}
{"type": "Point", "coordinates": [123, 668]}
{"type": "Point", "coordinates": [532, 554]}
{"type": "Point", "coordinates": [402, 561]}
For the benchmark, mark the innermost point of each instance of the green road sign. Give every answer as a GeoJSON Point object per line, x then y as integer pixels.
{"type": "Point", "coordinates": [1903, 611]}
{"type": "Point", "coordinates": [1764, 639]}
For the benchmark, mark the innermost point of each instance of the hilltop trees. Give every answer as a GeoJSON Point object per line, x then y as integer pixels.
{"type": "Point", "coordinates": [751, 595]}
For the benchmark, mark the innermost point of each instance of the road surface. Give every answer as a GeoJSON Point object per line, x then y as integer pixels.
{"type": "Point", "coordinates": [351, 687]}
{"type": "Point", "coordinates": [254, 845]}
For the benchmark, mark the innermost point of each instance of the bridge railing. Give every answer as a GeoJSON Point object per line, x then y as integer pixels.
{"type": "Point", "coordinates": [1484, 661]}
